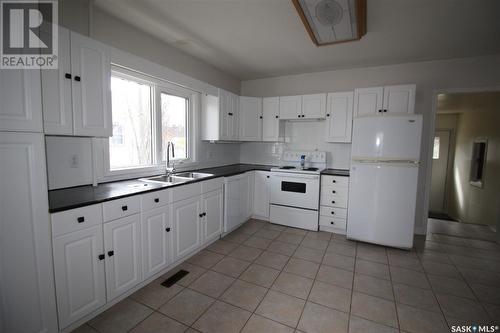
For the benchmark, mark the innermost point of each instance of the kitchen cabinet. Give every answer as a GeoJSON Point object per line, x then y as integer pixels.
{"type": "Point", "coordinates": [250, 118]}
{"type": "Point", "coordinates": [219, 117]}
{"type": "Point", "coordinates": [27, 297]}
{"type": "Point", "coordinates": [122, 246]}
{"type": "Point", "coordinates": [270, 119]}
{"type": "Point", "coordinates": [238, 198]}
{"type": "Point", "coordinates": [339, 117]}
{"type": "Point", "coordinates": [79, 273]}
{"type": "Point", "coordinates": [186, 221]}
{"type": "Point", "coordinates": [290, 107]}
{"type": "Point", "coordinates": [77, 95]}
{"type": "Point", "coordinates": [333, 203]}
{"type": "Point", "coordinates": [398, 99]}
{"type": "Point", "coordinates": [314, 106]}
{"type": "Point", "coordinates": [21, 106]}
{"type": "Point", "coordinates": [156, 230]}
{"type": "Point", "coordinates": [261, 195]}
{"type": "Point", "coordinates": [212, 204]}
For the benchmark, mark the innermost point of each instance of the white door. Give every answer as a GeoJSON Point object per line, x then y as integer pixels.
{"type": "Point", "coordinates": [186, 226]}
{"type": "Point", "coordinates": [122, 244]}
{"type": "Point", "coordinates": [250, 118]}
{"type": "Point", "coordinates": [440, 161]}
{"type": "Point", "coordinates": [156, 240]}
{"type": "Point", "coordinates": [79, 272]}
{"type": "Point", "coordinates": [56, 91]}
{"type": "Point", "coordinates": [399, 99]}
{"type": "Point", "coordinates": [368, 101]}
{"type": "Point", "coordinates": [314, 106]}
{"type": "Point", "coordinates": [270, 118]}
{"type": "Point", "coordinates": [382, 199]}
{"type": "Point", "coordinates": [21, 100]}
{"type": "Point", "coordinates": [261, 194]}
{"type": "Point", "coordinates": [212, 203]}
{"type": "Point", "coordinates": [290, 107]}
{"type": "Point", "coordinates": [339, 117]}
{"type": "Point", "coordinates": [27, 297]}
{"type": "Point", "coordinates": [91, 87]}
{"type": "Point", "coordinates": [232, 194]}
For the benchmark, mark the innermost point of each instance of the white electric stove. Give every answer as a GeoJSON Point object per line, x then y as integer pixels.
{"type": "Point", "coordinates": [295, 189]}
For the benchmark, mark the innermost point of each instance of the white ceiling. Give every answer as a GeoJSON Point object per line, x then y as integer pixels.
{"type": "Point", "coordinates": [261, 38]}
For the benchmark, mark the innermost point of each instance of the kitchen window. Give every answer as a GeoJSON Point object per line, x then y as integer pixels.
{"type": "Point", "coordinates": [148, 113]}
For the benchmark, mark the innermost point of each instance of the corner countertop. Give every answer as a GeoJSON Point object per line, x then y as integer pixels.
{"type": "Point", "coordinates": [336, 172]}
{"type": "Point", "coordinates": [74, 197]}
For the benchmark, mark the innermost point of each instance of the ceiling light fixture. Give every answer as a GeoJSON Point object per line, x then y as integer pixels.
{"type": "Point", "coordinates": [332, 21]}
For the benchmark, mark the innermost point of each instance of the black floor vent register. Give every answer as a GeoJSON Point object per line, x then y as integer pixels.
{"type": "Point", "coordinates": [174, 278]}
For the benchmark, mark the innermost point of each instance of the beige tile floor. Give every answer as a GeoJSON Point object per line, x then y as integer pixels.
{"type": "Point", "coordinates": [269, 278]}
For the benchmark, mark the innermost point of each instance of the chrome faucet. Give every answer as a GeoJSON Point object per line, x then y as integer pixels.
{"type": "Point", "coordinates": [170, 170]}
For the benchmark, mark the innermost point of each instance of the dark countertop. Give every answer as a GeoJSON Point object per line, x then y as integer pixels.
{"type": "Point", "coordinates": [74, 197]}
{"type": "Point", "coordinates": [335, 172]}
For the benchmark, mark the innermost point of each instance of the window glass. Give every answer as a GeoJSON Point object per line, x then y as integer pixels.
{"type": "Point", "coordinates": [435, 151]}
{"type": "Point", "coordinates": [174, 115]}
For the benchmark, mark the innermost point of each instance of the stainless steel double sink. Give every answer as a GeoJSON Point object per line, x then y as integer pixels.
{"type": "Point", "coordinates": [177, 178]}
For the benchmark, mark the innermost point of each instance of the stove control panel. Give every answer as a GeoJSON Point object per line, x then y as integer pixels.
{"type": "Point", "coordinates": [311, 156]}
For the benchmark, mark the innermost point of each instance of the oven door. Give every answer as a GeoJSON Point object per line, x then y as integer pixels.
{"type": "Point", "coordinates": [295, 190]}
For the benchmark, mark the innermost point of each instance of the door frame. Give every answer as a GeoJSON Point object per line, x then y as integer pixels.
{"type": "Point", "coordinates": [430, 142]}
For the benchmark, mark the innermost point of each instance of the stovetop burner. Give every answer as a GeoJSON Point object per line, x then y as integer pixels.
{"type": "Point", "coordinates": [310, 169]}
{"type": "Point", "coordinates": [287, 167]}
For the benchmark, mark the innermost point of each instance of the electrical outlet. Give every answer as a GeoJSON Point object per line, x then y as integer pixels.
{"type": "Point", "coordinates": [75, 161]}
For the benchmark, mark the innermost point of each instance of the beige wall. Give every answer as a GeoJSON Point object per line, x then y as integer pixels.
{"type": "Point", "coordinates": [469, 203]}
{"type": "Point", "coordinates": [77, 15]}
{"type": "Point", "coordinates": [429, 76]}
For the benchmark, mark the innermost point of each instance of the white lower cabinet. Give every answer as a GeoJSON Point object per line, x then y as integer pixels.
{"type": "Point", "coordinates": [122, 244]}
{"type": "Point", "coordinates": [186, 224]}
{"type": "Point", "coordinates": [238, 198]}
{"type": "Point", "coordinates": [156, 232]}
{"type": "Point", "coordinates": [212, 205]}
{"type": "Point", "coordinates": [79, 273]}
{"type": "Point", "coordinates": [333, 203]}
{"type": "Point", "coordinates": [261, 195]}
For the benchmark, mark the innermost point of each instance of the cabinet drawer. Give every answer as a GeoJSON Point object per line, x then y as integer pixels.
{"type": "Point", "coordinates": [76, 219]}
{"type": "Point", "coordinates": [335, 190]}
{"type": "Point", "coordinates": [186, 191]}
{"type": "Point", "coordinates": [116, 209]}
{"type": "Point", "coordinates": [333, 200]}
{"type": "Point", "coordinates": [339, 213]}
{"type": "Point", "coordinates": [212, 185]}
{"type": "Point", "coordinates": [155, 199]}
{"type": "Point", "coordinates": [333, 222]}
{"type": "Point", "coordinates": [334, 180]}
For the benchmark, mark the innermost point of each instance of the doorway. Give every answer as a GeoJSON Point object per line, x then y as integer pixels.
{"type": "Point", "coordinates": [441, 167]}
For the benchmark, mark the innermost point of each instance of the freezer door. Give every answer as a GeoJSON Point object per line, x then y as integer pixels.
{"type": "Point", "coordinates": [381, 207]}
{"type": "Point", "coordinates": [387, 138]}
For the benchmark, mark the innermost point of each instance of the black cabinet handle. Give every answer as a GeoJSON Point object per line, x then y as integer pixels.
{"type": "Point", "coordinates": [124, 208]}
{"type": "Point", "coordinates": [80, 219]}
{"type": "Point", "coordinates": [334, 181]}
{"type": "Point", "coordinates": [205, 214]}
{"type": "Point", "coordinates": [157, 199]}
{"type": "Point", "coordinates": [333, 213]}
{"type": "Point", "coordinates": [101, 257]}
{"type": "Point", "coordinates": [168, 229]}
{"type": "Point", "coordinates": [379, 111]}
{"type": "Point", "coordinates": [267, 176]}
{"type": "Point", "coordinates": [333, 201]}
{"type": "Point", "coordinates": [111, 253]}
{"type": "Point", "coordinates": [334, 191]}
{"type": "Point", "coordinates": [385, 110]}
{"type": "Point", "coordinates": [230, 113]}
{"type": "Point", "coordinates": [260, 117]}
{"type": "Point", "coordinates": [332, 222]}
{"type": "Point", "coordinates": [277, 117]}
{"type": "Point", "coordinates": [67, 75]}
{"type": "Point", "coordinates": [328, 115]}
{"type": "Point", "coordinates": [200, 215]}
{"type": "Point", "coordinates": [77, 78]}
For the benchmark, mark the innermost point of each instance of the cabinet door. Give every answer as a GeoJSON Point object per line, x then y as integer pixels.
{"type": "Point", "coordinates": [368, 101]}
{"type": "Point", "coordinates": [27, 295]}
{"type": "Point", "coordinates": [91, 87]}
{"type": "Point", "coordinates": [261, 194]}
{"type": "Point", "coordinates": [270, 119]}
{"type": "Point", "coordinates": [156, 240]}
{"type": "Point", "coordinates": [122, 244]}
{"type": "Point", "coordinates": [234, 117]}
{"type": "Point", "coordinates": [290, 107]}
{"type": "Point", "coordinates": [339, 117]}
{"type": "Point", "coordinates": [79, 273]}
{"type": "Point", "coordinates": [212, 203]}
{"type": "Point", "coordinates": [314, 106]}
{"type": "Point", "coordinates": [232, 195]}
{"type": "Point", "coordinates": [246, 198]}
{"type": "Point", "coordinates": [225, 120]}
{"type": "Point", "coordinates": [21, 100]}
{"type": "Point", "coordinates": [186, 226]}
{"type": "Point", "coordinates": [399, 99]}
{"type": "Point", "coordinates": [56, 91]}
{"type": "Point", "coordinates": [250, 118]}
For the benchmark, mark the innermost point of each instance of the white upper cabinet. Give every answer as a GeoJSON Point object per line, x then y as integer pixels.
{"type": "Point", "coordinates": [250, 118]}
{"type": "Point", "coordinates": [77, 96]}
{"type": "Point", "coordinates": [21, 100]}
{"type": "Point", "coordinates": [339, 117]}
{"type": "Point", "coordinates": [314, 106]}
{"type": "Point", "coordinates": [290, 107]}
{"type": "Point", "coordinates": [368, 101]}
{"type": "Point", "coordinates": [219, 117]}
{"type": "Point", "coordinates": [398, 99]}
{"type": "Point", "coordinates": [270, 118]}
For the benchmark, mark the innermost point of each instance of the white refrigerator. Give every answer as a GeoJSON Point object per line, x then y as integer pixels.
{"type": "Point", "coordinates": [385, 156]}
